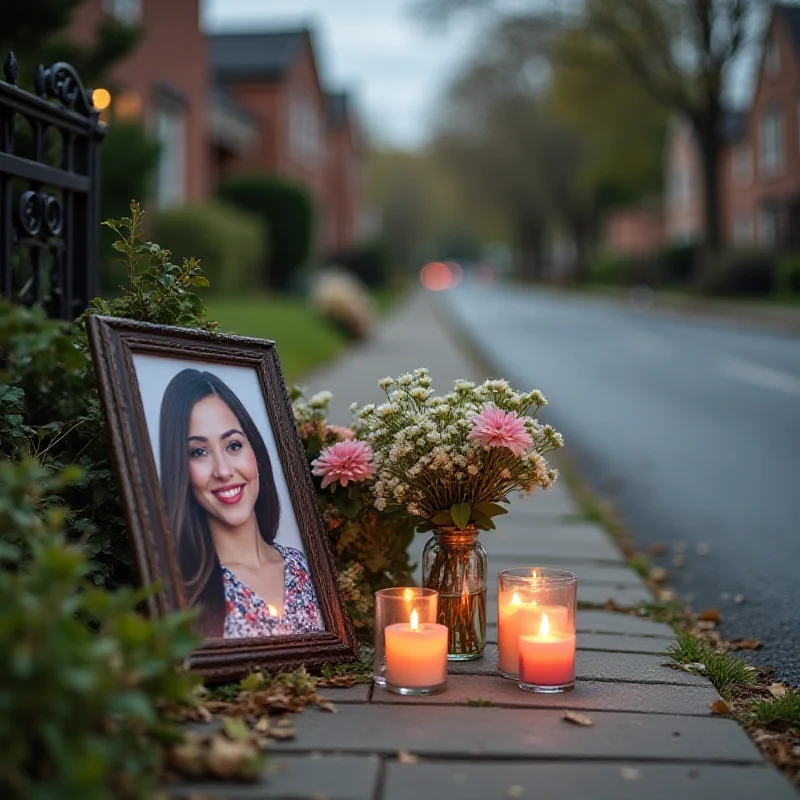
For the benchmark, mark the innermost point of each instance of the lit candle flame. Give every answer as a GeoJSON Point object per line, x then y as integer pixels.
{"type": "Point", "coordinates": [534, 573]}
{"type": "Point", "coordinates": [414, 620]}
{"type": "Point", "coordinates": [544, 628]}
{"type": "Point", "coordinates": [272, 611]}
{"type": "Point", "coordinates": [408, 594]}
{"type": "Point", "coordinates": [515, 599]}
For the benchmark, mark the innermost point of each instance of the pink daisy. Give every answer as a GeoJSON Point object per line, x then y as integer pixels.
{"type": "Point", "coordinates": [494, 427]}
{"type": "Point", "coordinates": [344, 462]}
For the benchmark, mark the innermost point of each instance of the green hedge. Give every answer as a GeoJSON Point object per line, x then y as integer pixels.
{"type": "Point", "coordinates": [739, 273]}
{"type": "Point", "coordinates": [369, 262]}
{"type": "Point", "coordinates": [286, 211]}
{"type": "Point", "coordinates": [679, 263]}
{"type": "Point", "coordinates": [230, 245]}
{"type": "Point", "coordinates": [788, 274]}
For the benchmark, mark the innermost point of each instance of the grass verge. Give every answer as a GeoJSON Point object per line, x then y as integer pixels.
{"type": "Point", "coordinates": [304, 339]}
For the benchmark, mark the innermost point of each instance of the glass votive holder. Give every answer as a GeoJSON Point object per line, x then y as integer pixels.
{"type": "Point", "coordinates": [525, 596]}
{"type": "Point", "coordinates": [410, 645]}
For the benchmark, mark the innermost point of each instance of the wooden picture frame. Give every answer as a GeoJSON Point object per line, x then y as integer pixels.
{"type": "Point", "coordinates": [119, 348]}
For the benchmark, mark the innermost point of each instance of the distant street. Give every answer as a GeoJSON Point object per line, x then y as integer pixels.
{"type": "Point", "coordinates": [692, 427]}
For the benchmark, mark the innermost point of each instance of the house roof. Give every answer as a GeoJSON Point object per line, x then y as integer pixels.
{"type": "Point", "coordinates": [256, 55]}
{"type": "Point", "coordinates": [790, 16]}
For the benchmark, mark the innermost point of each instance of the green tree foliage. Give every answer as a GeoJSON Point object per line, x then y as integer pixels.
{"type": "Point", "coordinates": [680, 52]}
{"type": "Point", "coordinates": [36, 31]}
{"type": "Point", "coordinates": [624, 129]}
{"type": "Point", "coordinates": [286, 211]}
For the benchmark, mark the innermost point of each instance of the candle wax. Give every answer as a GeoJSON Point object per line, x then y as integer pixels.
{"type": "Point", "coordinates": [523, 619]}
{"type": "Point", "coordinates": [416, 659]}
{"type": "Point", "coordinates": [547, 659]}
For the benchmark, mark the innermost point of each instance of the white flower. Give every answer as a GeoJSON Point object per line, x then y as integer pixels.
{"type": "Point", "coordinates": [405, 380]}
{"type": "Point", "coordinates": [386, 382]}
{"type": "Point", "coordinates": [353, 407]}
{"type": "Point", "coordinates": [506, 473]}
{"type": "Point", "coordinates": [320, 399]}
{"type": "Point", "coordinates": [380, 504]}
{"type": "Point", "coordinates": [472, 469]}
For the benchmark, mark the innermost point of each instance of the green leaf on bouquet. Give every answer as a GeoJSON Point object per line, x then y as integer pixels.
{"type": "Point", "coordinates": [483, 522]}
{"type": "Point", "coordinates": [348, 506]}
{"type": "Point", "coordinates": [490, 509]}
{"type": "Point", "coordinates": [460, 513]}
{"type": "Point", "coordinates": [443, 518]}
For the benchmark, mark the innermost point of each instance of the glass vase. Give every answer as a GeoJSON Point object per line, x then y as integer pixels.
{"type": "Point", "coordinates": [454, 564]}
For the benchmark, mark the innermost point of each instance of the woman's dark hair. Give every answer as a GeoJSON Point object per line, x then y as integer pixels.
{"type": "Point", "coordinates": [197, 558]}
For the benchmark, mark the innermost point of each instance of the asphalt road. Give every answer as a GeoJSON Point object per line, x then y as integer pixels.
{"type": "Point", "coordinates": [692, 426]}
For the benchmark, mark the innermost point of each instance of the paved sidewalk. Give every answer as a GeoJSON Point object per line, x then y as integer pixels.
{"type": "Point", "coordinates": [653, 734]}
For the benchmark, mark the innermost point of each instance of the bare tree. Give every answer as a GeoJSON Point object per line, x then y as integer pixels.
{"type": "Point", "coordinates": [680, 50]}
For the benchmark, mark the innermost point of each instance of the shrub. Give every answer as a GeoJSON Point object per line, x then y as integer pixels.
{"type": "Point", "coordinates": [678, 263]}
{"type": "Point", "coordinates": [53, 412]}
{"type": "Point", "coordinates": [609, 270]}
{"type": "Point", "coordinates": [84, 679]}
{"type": "Point", "coordinates": [230, 245]}
{"type": "Point", "coordinates": [788, 274]}
{"type": "Point", "coordinates": [341, 298]}
{"type": "Point", "coordinates": [619, 271]}
{"type": "Point", "coordinates": [286, 211]}
{"type": "Point", "coordinates": [369, 263]}
{"type": "Point", "coordinates": [128, 162]}
{"type": "Point", "coordinates": [738, 273]}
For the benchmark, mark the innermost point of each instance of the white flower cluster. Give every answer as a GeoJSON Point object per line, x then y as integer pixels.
{"type": "Point", "coordinates": [427, 462]}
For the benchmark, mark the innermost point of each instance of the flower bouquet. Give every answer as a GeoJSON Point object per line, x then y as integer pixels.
{"type": "Point", "coordinates": [450, 462]}
{"type": "Point", "coordinates": [369, 546]}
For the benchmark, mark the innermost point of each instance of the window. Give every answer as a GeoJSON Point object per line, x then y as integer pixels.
{"type": "Point", "coordinates": [171, 133]}
{"type": "Point", "coordinates": [772, 57]}
{"type": "Point", "coordinates": [771, 143]}
{"type": "Point", "coordinates": [743, 233]}
{"type": "Point", "coordinates": [128, 11]}
{"type": "Point", "coordinates": [742, 165]}
{"type": "Point", "coordinates": [769, 226]}
{"type": "Point", "coordinates": [304, 128]}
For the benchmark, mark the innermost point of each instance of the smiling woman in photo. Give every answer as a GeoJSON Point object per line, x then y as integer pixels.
{"type": "Point", "coordinates": [223, 510]}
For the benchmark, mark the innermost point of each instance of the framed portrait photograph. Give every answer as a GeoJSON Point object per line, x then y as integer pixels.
{"type": "Point", "coordinates": [218, 495]}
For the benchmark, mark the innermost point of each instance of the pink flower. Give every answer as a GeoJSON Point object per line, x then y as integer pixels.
{"type": "Point", "coordinates": [341, 432]}
{"type": "Point", "coordinates": [344, 462]}
{"type": "Point", "coordinates": [494, 427]}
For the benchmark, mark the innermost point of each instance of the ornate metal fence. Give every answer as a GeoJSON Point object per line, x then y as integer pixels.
{"type": "Point", "coordinates": [49, 196]}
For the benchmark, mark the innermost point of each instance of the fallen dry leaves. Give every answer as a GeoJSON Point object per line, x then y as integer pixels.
{"type": "Point", "coordinates": [710, 615]}
{"type": "Point", "coordinates": [744, 644]}
{"type": "Point", "coordinates": [578, 719]}
{"type": "Point", "coordinates": [720, 707]}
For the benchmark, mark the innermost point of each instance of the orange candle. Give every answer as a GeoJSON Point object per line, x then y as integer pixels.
{"type": "Point", "coordinates": [519, 618]}
{"type": "Point", "coordinates": [416, 655]}
{"type": "Point", "coordinates": [547, 659]}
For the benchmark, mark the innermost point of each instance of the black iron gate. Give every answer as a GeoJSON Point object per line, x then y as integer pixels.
{"type": "Point", "coordinates": [49, 195]}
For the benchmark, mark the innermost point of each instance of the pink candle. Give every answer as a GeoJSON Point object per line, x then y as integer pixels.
{"type": "Point", "coordinates": [416, 655]}
{"type": "Point", "coordinates": [547, 658]}
{"type": "Point", "coordinates": [519, 618]}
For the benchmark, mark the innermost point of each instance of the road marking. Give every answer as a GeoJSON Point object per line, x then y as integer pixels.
{"type": "Point", "coordinates": [756, 375]}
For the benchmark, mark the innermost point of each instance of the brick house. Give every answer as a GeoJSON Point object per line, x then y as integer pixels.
{"type": "Point", "coordinates": [633, 231]}
{"type": "Point", "coordinates": [308, 135]}
{"type": "Point", "coordinates": [760, 162]}
{"type": "Point", "coordinates": [164, 82]}
{"type": "Point", "coordinates": [230, 103]}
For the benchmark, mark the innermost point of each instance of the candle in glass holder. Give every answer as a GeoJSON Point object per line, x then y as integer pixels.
{"type": "Point", "coordinates": [416, 656]}
{"type": "Point", "coordinates": [520, 617]}
{"type": "Point", "coordinates": [547, 660]}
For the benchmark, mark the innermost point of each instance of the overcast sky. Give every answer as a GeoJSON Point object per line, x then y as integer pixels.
{"type": "Point", "coordinates": [395, 66]}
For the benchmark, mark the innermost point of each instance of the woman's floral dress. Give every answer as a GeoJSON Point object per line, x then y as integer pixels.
{"type": "Point", "coordinates": [247, 615]}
